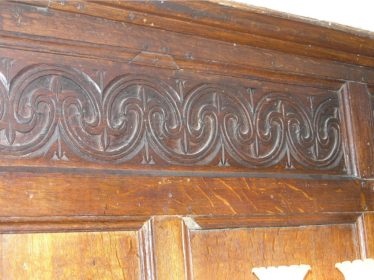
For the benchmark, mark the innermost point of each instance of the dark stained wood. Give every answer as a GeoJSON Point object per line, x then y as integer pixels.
{"type": "Point", "coordinates": [31, 22]}
{"type": "Point", "coordinates": [368, 190]}
{"type": "Point", "coordinates": [115, 54]}
{"type": "Point", "coordinates": [358, 126]}
{"type": "Point", "coordinates": [73, 113]}
{"type": "Point", "coordinates": [224, 23]}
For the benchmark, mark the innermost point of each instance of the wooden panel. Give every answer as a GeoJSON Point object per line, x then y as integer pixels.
{"type": "Point", "coordinates": [358, 127]}
{"type": "Point", "coordinates": [86, 255]}
{"type": "Point", "coordinates": [169, 245]}
{"type": "Point", "coordinates": [52, 194]}
{"type": "Point", "coordinates": [77, 113]}
{"type": "Point", "coordinates": [221, 254]}
{"type": "Point", "coordinates": [369, 234]}
{"type": "Point", "coordinates": [368, 190]}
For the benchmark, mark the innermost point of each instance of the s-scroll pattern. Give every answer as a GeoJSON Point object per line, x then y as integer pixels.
{"type": "Point", "coordinates": [371, 94]}
{"type": "Point", "coordinates": [138, 119]}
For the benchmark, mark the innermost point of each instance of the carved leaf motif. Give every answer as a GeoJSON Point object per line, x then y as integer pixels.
{"type": "Point", "coordinates": [105, 139]}
{"type": "Point", "coordinates": [10, 134]}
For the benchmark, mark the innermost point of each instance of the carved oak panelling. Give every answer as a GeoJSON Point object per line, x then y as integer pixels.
{"type": "Point", "coordinates": [371, 93]}
{"type": "Point", "coordinates": [58, 112]}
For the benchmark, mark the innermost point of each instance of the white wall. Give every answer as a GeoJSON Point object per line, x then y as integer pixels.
{"type": "Point", "coordinates": [355, 13]}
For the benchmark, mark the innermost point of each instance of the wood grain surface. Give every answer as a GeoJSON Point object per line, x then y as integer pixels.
{"type": "Point", "coordinates": [240, 26]}
{"type": "Point", "coordinates": [369, 234]}
{"type": "Point", "coordinates": [169, 246]}
{"type": "Point", "coordinates": [181, 140]}
{"type": "Point", "coordinates": [222, 254]}
{"type": "Point", "coordinates": [85, 255]}
{"type": "Point", "coordinates": [56, 194]}
{"type": "Point", "coordinates": [358, 126]}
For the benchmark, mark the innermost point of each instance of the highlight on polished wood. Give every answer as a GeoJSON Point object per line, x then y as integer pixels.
{"type": "Point", "coordinates": [296, 272]}
{"type": "Point", "coordinates": [181, 140]}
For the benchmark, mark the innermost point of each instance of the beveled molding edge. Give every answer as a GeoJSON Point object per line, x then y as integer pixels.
{"type": "Point", "coordinates": [323, 72]}
{"type": "Point", "coordinates": [259, 221]}
{"type": "Point", "coordinates": [157, 60]}
{"type": "Point", "coordinates": [244, 25]}
{"type": "Point", "coordinates": [97, 223]}
{"type": "Point", "coordinates": [56, 224]}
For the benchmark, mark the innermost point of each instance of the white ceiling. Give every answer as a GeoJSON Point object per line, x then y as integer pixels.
{"type": "Point", "coordinates": [357, 13]}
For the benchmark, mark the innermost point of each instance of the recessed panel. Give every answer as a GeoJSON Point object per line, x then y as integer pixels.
{"type": "Point", "coordinates": [231, 254]}
{"type": "Point", "coordinates": [78, 255]}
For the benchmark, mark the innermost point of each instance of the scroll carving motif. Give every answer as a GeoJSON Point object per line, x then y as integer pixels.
{"type": "Point", "coordinates": [143, 120]}
{"type": "Point", "coordinates": [371, 93]}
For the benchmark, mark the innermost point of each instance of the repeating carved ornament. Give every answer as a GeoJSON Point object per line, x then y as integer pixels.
{"type": "Point", "coordinates": [143, 120]}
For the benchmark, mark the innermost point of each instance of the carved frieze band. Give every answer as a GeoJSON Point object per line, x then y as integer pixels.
{"type": "Point", "coordinates": [371, 94]}
{"type": "Point", "coordinates": [139, 119]}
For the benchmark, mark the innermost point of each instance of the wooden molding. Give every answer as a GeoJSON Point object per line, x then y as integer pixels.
{"type": "Point", "coordinates": [70, 223]}
{"type": "Point", "coordinates": [240, 26]}
{"type": "Point", "coordinates": [274, 221]}
{"type": "Point", "coordinates": [117, 195]}
{"type": "Point", "coordinates": [191, 51]}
